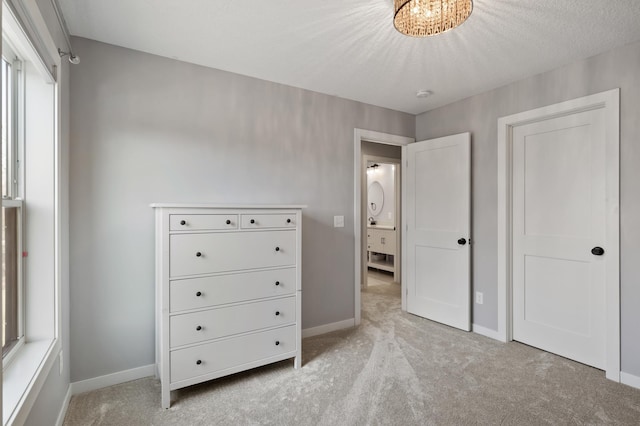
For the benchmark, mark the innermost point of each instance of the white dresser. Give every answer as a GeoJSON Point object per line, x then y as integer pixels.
{"type": "Point", "coordinates": [228, 290]}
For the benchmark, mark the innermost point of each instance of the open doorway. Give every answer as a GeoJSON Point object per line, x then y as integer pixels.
{"type": "Point", "coordinates": [381, 214]}
{"type": "Point", "coordinates": [380, 145]}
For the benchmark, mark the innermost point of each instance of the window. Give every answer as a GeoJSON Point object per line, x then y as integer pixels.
{"type": "Point", "coordinates": [30, 207]}
{"type": "Point", "coordinates": [12, 324]}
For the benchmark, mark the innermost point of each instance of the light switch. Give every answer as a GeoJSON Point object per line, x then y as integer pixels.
{"type": "Point", "coordinates": [338, 221]}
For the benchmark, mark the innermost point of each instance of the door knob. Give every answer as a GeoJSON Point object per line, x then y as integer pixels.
{"type": "Point", "coordinates": [462, 241]}
{"type": "Point", "coordinates": [598, 251]}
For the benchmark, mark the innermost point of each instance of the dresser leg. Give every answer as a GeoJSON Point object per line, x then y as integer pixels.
{"type": "Point", "coordinates": [297, 362]}
{"type": "Point", "coordinates": [166, 399]}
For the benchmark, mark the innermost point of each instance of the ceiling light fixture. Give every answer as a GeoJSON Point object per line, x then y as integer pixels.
{"type": "Point", "coordinates": [423, 93]}
{"type": "Point", "coordinates": [424, 18]}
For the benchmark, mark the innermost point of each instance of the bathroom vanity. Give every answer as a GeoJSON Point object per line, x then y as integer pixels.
{"type": "Point", "coordinates": [381, 248]}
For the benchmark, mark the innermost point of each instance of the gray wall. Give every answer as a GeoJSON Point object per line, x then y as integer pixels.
{"type": "Point", "coordinates": [381, 150]}
{"type": "Point", "coordinates": [49, 402]}
{"type": "Point", "coordinates": [148, 129]}
{"type": "Point", "coordinates": [479, 115]}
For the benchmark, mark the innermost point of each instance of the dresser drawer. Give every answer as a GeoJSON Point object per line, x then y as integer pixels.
{"type": "Point", "coordinates": [261, 221]}
{"type": "Point", "coordinates": [196, 222]}
{"type": "Point", "coordinates": [194, 293]}
{"type": "Point", "coordinates": [226, 321]}
{"type": "Point", "coordinates": [222, 354]}
{"type": "Point", "coordinates": [192, 254]}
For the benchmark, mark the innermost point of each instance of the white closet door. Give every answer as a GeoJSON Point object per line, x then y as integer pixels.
{"type": "Point", "coordinates": [559, 230]}
{"type": "Point", "coordinates": [438, 229]}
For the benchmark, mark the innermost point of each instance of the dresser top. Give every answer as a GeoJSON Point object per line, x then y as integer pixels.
{"type": "Point", "coordinates": [227, 206]}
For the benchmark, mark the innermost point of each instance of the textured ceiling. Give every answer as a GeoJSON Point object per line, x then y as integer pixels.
{"type": "Point", "coordinates": [349, 48]}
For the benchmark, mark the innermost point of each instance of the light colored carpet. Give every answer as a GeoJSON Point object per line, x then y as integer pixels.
{"type": "Point", "coordinates": [395, 369]}
{"type": "Point", "coordinates": [376, 277]}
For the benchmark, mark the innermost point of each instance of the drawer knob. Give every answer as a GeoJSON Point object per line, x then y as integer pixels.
{"type": "Point", "coordinates": [277, 248]}
{"type": "Point", "coordinates": [277, 342]}
{"type": "Point", "coordinates": [252, 221]}
{"type": "Point", "coordinates": [198, 328]}
{"type": "Point", "coordinates": [198, 294]}
{"type": "Point", "coordinates": [288, 220]}
{"type": "Point", "coordinates": [198, 254]}
{"type": "Point", "coordinates": [183, 222]}
{"type": "Point", "coordinates": [277, 313]}
{"type": "Point", "coordinates": [228, 222]}
{"type": "Point", "coordinates": [277, 283]}
{"type": "Point", "coordinates": [198, 362]}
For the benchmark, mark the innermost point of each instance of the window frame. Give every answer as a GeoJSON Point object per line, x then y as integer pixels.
{"type": "Point", "coordinates": [15, 179]}
{"type": "Point", "coordinates": [44, 269]}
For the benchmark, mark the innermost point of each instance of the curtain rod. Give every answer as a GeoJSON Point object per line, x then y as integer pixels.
{"type": "Point", "coordinates": [63, 27]}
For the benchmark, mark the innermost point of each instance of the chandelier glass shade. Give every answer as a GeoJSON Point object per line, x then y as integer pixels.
{"type": "Point", "coordinates": [424, 18]}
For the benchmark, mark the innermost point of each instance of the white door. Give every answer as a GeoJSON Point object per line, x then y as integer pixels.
{"type": "Point", "coordinates": [559, 230]}
{"type": "Point", "coordinates": [438, 176]}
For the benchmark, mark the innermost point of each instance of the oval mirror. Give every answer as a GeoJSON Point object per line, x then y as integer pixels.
{"type": "Point", "coordinates": [375, 197]}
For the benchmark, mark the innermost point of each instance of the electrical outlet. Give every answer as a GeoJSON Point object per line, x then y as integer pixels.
{"type": "Point", "coordinates": [338, 221]}
{"type": "Point", "coordinates": [479, 298]}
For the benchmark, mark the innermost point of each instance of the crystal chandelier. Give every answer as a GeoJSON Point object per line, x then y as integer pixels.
{"type": "Point", "coordinates": [424, 18]}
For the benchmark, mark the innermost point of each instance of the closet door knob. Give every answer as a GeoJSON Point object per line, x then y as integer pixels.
{"type": "Point", "coordinates": [277, 248]}
{"type": "Point", "coordinates": [462, 241]}
{"type": "Point", "coordinates": [198, 294]}
{"type": "Point", "coordinates": [277, 342]}
{"type": "Point", "coordinates": [183, 222]}
{"type": "Point", "coordinates": [252, 221]}
{"type": "Point", "coordinates": [198, 328]}
{"type": "Point", "coordinates": [198, 362]}
{"type": "Point", "coordinates": [198, 254]}
{"type": "Point", "coordinates": [228, 222]}
{"type": "Point", "coordinates": [597, 251]}
{"type": "Point", "coordinates": [288, 220]}
{"type": "Point", "coordinates": [277, 313]}
{"type": "Point", "coordinates": [277, 283]}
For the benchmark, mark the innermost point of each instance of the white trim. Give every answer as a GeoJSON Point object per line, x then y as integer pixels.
{"type": "Point", "coordinates": [39, 356]}
{"type": "Point", "coordinates": [487, 332]}
{"type": "Point", "coordinates": [630, 380]}
{"type": "Point", "coordinates": [29, 15]}
{"type": "Point", "coordinates": [328, 328]}
{"type": "Point", "coordinates": [610, 102]}
{"type": "Point", "coordinates": [65, 406]}
{"type": "Point", "coordinates": [403, 230]}
{"type": "Point", "coordinates": [112, 379]}
{"type": "Point", "coordinates": [360, 135]}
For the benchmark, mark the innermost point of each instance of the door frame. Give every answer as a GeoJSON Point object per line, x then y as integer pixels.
{"type": "Point", "coordinates": [359, 136]}
{"type": "Point", "coordinates": [609, 101]}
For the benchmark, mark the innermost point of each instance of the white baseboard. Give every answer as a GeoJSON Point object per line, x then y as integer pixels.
{"type": "Point", "coordinates": [112, 379]}
{"type": "Point", "coordinates": [65, 406]}
{"type": "Point", "coordinates": [328, 328]}
{"type": "Point", "coordinates": [487, 332]}
{"type": "Point", "coordinates": [630, 380]}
